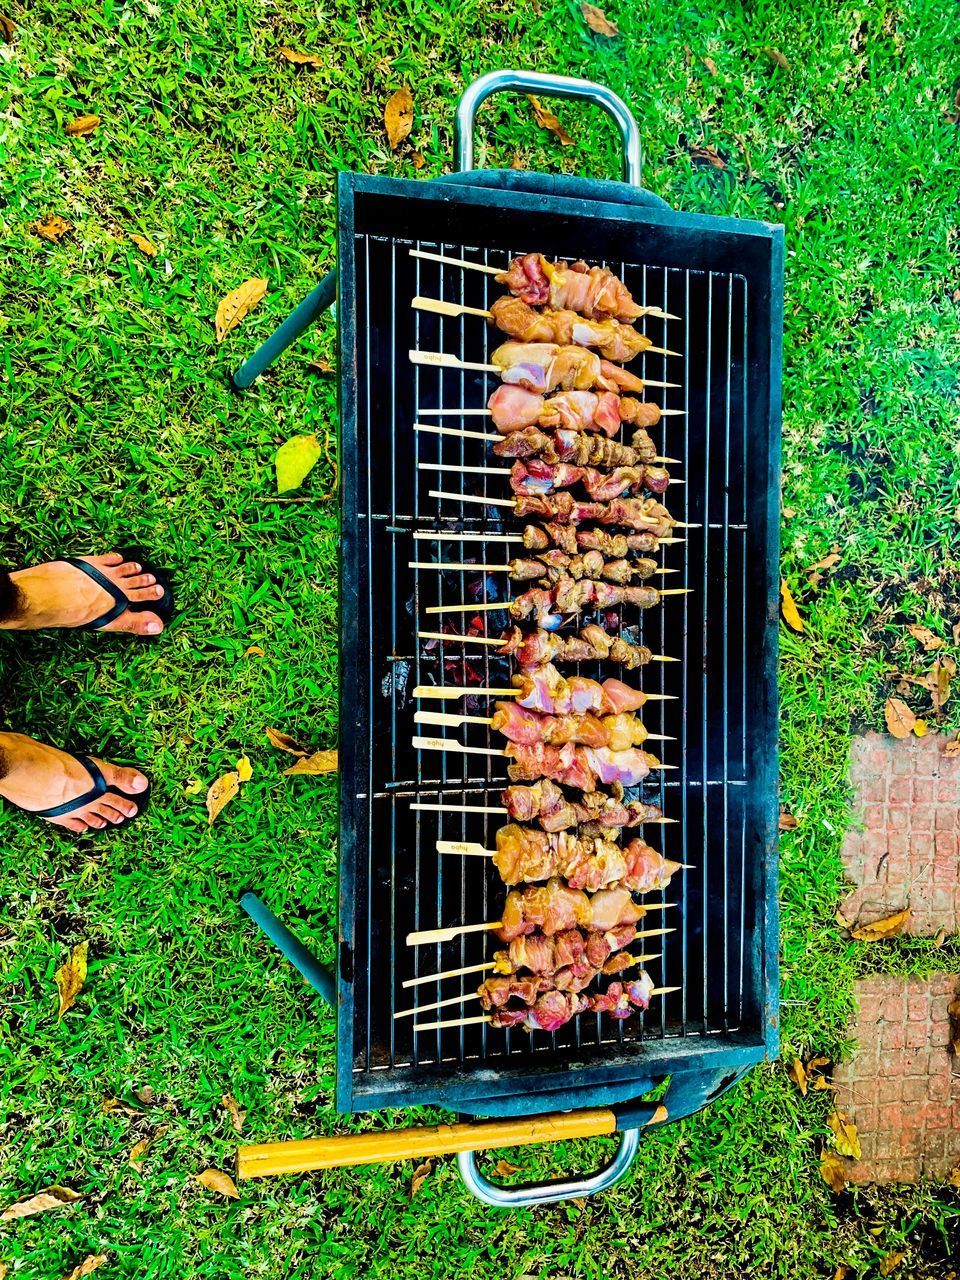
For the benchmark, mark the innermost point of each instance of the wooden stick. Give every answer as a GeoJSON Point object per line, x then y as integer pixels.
{"type": "Point", "coordinates": [484, 471]}
{"type": "Point", "coordinates": [464, 690]}
{"type": "Point", "coordinates": [469, 1022]}
{"type": "Point", "coordinates": [495, 435]}
{"type": "Point", "coordinates": [449, 744]}
{"type": "Point", "coordinates": [488, 413]}
{"type": "Point", "coordinates": [427, 936]}
{"type": "Point", "coordinates": [508, 502]}
{"type": "Point", "coordinates": [498, 812]}
{"type": "Point", "coordinates": [447, 721]}
{"type": "Point", "coordinates": [448, 635]}
{"type": "Point", "coordinates": [428, 535]}
{"type": "Point", "coordinates": [465, 566]}
{"type": "Point", "coordinates": [489, 964]}
{"type": "Point", "coordinates": [441, 360]}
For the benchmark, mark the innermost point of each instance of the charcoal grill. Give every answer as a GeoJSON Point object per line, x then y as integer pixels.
{"type": "Point", "coordinates": [723, 278]}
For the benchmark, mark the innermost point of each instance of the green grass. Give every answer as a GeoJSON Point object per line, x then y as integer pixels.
{"type": "Point", "coordinates": [118, 427]}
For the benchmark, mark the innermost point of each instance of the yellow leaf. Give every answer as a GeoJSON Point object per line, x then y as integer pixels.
{"type": "Point", "coordinates": [547, 120]}
{"type": "Point", "coordinates": [237, 304]}
{"type": "Point", "coordinates": [842, 1272]}
{"type": "Point", "coordinates": [144, 245]}
{"type": "Point", "coordinates": [791, 614]}
{"type": "Point", "coordinates": [54, 1197]}
{"type": "Point", "coordinates": [420, 1175]}
{"type": "Point", "coordinates": [710, 65]}
{"type": "Point", "coordinates": [319, 762]}
{"type": "Point", "coordinates": [787, 822]}
{"type": "Point", "coordinates": [927, 638]}
{"type": "Point", "coordinates": [295, 459]}
{"type": "Point", "coordinates": [920, 728]}
{"type": "Point", "coordinates": [833, 1170]}
{"type": "Point", "coordinates": [214, 1180]}
{"type": "Point", "coordinates": [283, 741]}
{"type": "Point", "coordinates": [90, 1264]}
{"type": "Point", "coordinates": [844, 1134]}
{"type": "Point", "coordinates": [71, 976]}
{"type": "Point", "coordinates": [889, 927]}
{"type": "Point", "coordinates": [237, 1116]}
{"type": "Point", "coordinates": [110, 1105]}
{"type": "Point", "coordinates": [253, 651]}
{"type": "Point", "coordinates": [139, 1151]}
{"type": "Point", "coordinates": [798, 1075]}
{"type": "Point", "coordinates": [953, 1179]}
{"type": "Point", "coordinates": [220, 794]}
{"type": "Point", "coordinates": [7, 28]}
{"type": "Point", "coordinates": [193, 787]}
{"type": "Point", "coordinates": [900, 719]}
{"type": "Point", "coordinates": [776, 56]}
{"type": "Point", "coordinates": [504, 1169]}
{"type": "Point", "coordinates": [890, 1263]}
{"type": "Point", "coordinates": [597, 20]}
{"type": "Point", "coordinates": [244, 769]}
{"type": "Point", "coordinates": [299, 59]}
{"type": "Point", "coordinates": [82, 127]}
{"type": "Point", "coordinates": [398, 117]}
{"type": "Point", "coordinates": [51, 227]}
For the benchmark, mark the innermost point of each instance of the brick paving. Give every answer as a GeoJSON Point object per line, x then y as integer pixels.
{"type": "Point", "coordinates": [902, 1087]}
{"type": "Point", "coordinates": [907, 800]}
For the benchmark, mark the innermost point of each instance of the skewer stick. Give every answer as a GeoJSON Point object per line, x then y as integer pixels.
{"type": "Point", "coordinates": [475, 995]}
{"type": "Point", "coordinates": [449, 635]}
{"type": "Point", "coordinates": [428, 535]}
{"type": "Point", "coordinates": [505, 604]}
{"type": "Point", "coordinates": [484, 471]}
{"type": "Point", "coordinates": [441, 360]}
{"type": "Point", "coordinates": [489, 964]}
{"type": "Point", "coordinates": [484, 1018]}
{"type": "Point", "coordinates": [488, 413]}
{"type": "Point", "coordinates": [465, 690]}
{"type": "Point", "coordinates": [446, 721]}
{"type": "Point", "coordinates": [512, 502]}
{"type": "Point", "coordinates": [494, 435]}
{"type": "Point", "coordinates": [465, 566]}
{"type": "Point", "coordinates": [497, 811]}
{"type": "Point", "coordinates": [451, 744]}
{"type": "Point", "coordinates": [496, 271]}
{"type": "Point", "coordinates": [427, 936]}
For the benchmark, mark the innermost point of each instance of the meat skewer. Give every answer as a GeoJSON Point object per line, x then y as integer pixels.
{"type": "Point", "coordinates": [561, 445]}
{"type": "Point", "coordinates": [549, 606]}
{"type": "Point", "coordinates": [544, 689]}
{"type": "Point", "coordinates": [571, 765]}
{"type": "Point", "coordinates": [567, 537]}
{"type": "Point", "coordinates": [513, 408]}
{"type": "Point", "coordinates": [519, 724]}
{"type": "Point", "coordinates": [536, 476]}
{"type": "Point", "coordinates": [551, 1010]}
{"type": "Point", "coordinates": [634, 513]}
{"type": "Point", "coordinates": [545, 366]}
{"type": "Point", "coordinates": [545, 569]}
{"type": "Point", "coordinates": [544, 802]}
{"type": "Point", "coordinates": [535, 647]}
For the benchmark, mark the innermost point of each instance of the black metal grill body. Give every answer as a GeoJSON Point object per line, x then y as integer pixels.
{"type": "Point", "coordinates": [723, 278]}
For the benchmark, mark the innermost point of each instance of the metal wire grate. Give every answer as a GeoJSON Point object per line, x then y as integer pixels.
{"type": "Point", "coordinates": [408, 885]}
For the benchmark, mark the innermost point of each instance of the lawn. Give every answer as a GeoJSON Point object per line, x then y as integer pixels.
{"type": "Point", "coordinates": [119, 427]}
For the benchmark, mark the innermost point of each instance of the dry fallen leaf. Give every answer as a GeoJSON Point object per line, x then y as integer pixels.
{"type": "Point", "coordinates": [417, 159]}
{"type": "Point", "coordinates": [788, 607]}
{"type": "Point", "coordinates": [320, 366]}
{"type": "Point", "coordinates": [139, 1152]}
{"type": "Point", "coordinates": [890, 1263]}
{"type": "Point", "coordinates": [299, 59]}
{"type": "Point", "coordinates": [517, 161]}
{"type": "Point", "coordinates": [398, 116]}
{"type": "Point", "coordinates": [953, 1014]}
{"type": "Point", "coordinates": [845, 1137]}
{"type": "Point", "coordinates": [253, 651]}
{"type": "Point", "coordinates": [51, 227]}
{"type": "Point", "coordinates": [813, 571]}
{"type": "Point", "coordinates": [776, 56]}
{"type": "Point", "coordinates": [319, 762]}
{"type": "Point", "coordinates": [221, 793]}
{"type": "Point", "coordinates": [926, 637]}
{"type": "Point", "coordinates": [900, 719]}
{"type": "Point", "coordinates": [710, 154]}
{"type": "Point", "coordinates": [710, 65]}
{"type": "Point", "coordinates": [214, 1180]}
{"type": "Point", "coordinates": [144, 245]}
{"type": "Point", "coordinates": [941, 673]}
{"type": "Point", "coordinates": [798, 1075]}
{"type": "Point", "coordinates": [82, 127]}
{"type": "Point", "coordinates": [833, 1170]}
{"type": "Point", "coordinates": [7, 28]}
{"type": "Point", "coordinates": [244, 769]}
{"type": "Point", "coordinates": [814, 1073]}
{"type": "Point", "coordinates": [193, 787]}
{"type": "Point", "coordinates": [504, 1169]}
{"type": "Point", "coordinates": [90, 1264]}
{"type": "Point", "coordinates": [598, 21]}
{"type": "Point", "coordinates": [842, 1272]}
{"type": "Point", "coordinates": [283, 741]}
{"type": "Point", "coordinates": [146, 1095]}
{"type": "Point", "coordinates": [237, 1116]}
{"type": "Point", "coordinates": [889, 927]}
{"type": "Point", "coordinates": [547, 120]}
{"type": "Point", "coordinates": [953, 747]}
{"type": "Point", "coordinates": [237, 304]}
{"type": "Point", "coordinates": [420, 1175]}
{"type": "Point", "coordinates": [71, 976]}
{"type": "Point", "coordinates": [787, 822]}
{"type": "Point", "coordinates": [54, 1197]}
{"type": "Point", "coordinates": [953, 1179]}
{"type": "Point", "coordinates": [116, 1104]}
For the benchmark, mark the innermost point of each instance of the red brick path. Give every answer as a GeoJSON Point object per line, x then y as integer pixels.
{"type": "Point", "coordinates": [907, 797]}
{"type": "Point", "coordinates": [902, 1087]}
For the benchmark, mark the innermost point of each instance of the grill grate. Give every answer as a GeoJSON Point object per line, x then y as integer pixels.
{"type": "Point", "coordinates": [408, 885]}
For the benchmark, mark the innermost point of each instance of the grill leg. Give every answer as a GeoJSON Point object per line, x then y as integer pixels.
{"type": "Point", "coordinates": [319, 978]}
{"type": "Point", "coordinates": [296, 323]}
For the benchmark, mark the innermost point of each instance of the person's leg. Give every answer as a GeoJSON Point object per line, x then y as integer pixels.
{"type": "Point", "coordinates": [57, 594]}
{"type": "Point", "coordinates": [35, 776]}
{"type": "Point", "coordinates": [9, 597]}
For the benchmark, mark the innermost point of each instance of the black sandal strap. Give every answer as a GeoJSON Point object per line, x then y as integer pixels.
{"type": "Point", "coordinates": [120, 601]}
{"type": "Point", "coordinates": [96, 791]}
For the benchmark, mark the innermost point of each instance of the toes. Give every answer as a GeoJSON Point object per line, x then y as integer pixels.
{"type": "Point", "coordinates": [133, 581]}
{"type": "Point", "coordinates": [94, 820]}
{"type": "Point", "coordinates": [111, 559]}
{"type": "Point", "coordinates": [138, 624]}
{"type": "Point", "coordinates": [129, 569]}
{"type": "Point", "coordinates": [130, 780]}
{"type": "Point", "coordinates": [73, 824]}
{"type": "Point", "coordinates": [110, 810]}
{"type": "Point", "coordinates": [147, 592]}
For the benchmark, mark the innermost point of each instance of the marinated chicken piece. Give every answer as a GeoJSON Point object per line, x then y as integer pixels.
{"type": "Point", "coordinates": [584, 862]}
{"type": "Point", "coordinates": [534, 475]}
{"type": "Point", "coordinates": [613, 339]}
{"type": "Point", "coordinates": [594, 292]}
{"type": "Point", "coordinates": [577, 766]}
{"type": "Point", "coordinates": [596, 812]}
{"type": "Point", "coordinates": [543, 366]}
{"type": "Point", "coordinates": [554, 906]}
{"type": "Point", "coordinates": [532, 648]}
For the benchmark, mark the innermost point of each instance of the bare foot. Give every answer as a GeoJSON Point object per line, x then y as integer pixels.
{"type": "Point", "coordinates": [35, 776]}
{"type": "Point", "coordinates": [57, 594]}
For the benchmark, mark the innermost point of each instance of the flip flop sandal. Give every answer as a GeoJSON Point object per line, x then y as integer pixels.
{"type": "Point", "coordinates": [99, 788]}
{"type": "Point", "coordinates": [122, 603]}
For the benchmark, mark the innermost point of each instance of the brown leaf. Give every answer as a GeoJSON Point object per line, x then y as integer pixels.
{"type": "Point", "coordinates": [776, 56]}
{"type": "Point", "coordinates": [833, 1170]}
{"type": "Point", "coordinates": [953, 1179]}
{"type": "Point", "coordinates": [417, 159]}
{"type": "Point", "coordinates": [547, 120]}
{"type": "Point", "coordinates": [220, 794]}
{"type": "Point", "coordinates": [237, 1116]}
{"type": "Point", "coordinates": [54, 1197]}
{"type": "Point", "coordinates": [798, 1075]}
{"type": "Point", "coordinates": [953, 1014]}
{"type": "Point", "coordinates": [710, 154]}
{"type": "Point", "coordinates": [146, 1095]}
{"type": "Point", "coordinates": [927, 638]}
{"type": "Point", "coordinates": [320, 366]}
{"type": "Point", "coordinates": [144, 245]}
{"type": "Point", "coordinates": [138, 1154]}
{"type": "Point", "coordinates": [953, 747]}
{"type": "Point", "coordinates": [888, 927]}
{"type": "Point", "coordinates": [788, 607]}
{"type": "Point", "coordinates": [90, 1264]}
{"type": "Point", "coordinates": [299, 59]}
{"type": "Point", "coordinates": [244, 769]}
{"type": "Point", "coordinates": [890, 1263]}
{"type": "Point", "coordinates": [51, 227]}
{"type": "Point", "coordinates": [900, 719]}
{"type": "Point", "coordinates": [283, 741]}
{"type": "Point", "coordinates": [319, 762]}
{"type": "Point", "coordinates": [237, 304]}
{"type": "Point", "coordinates": [82, 127]}
{"type": "Point", "coordinates": [517, 161]}
{"type": "Point", "coordinates": [787, 822]}
{"type": "Point", "coordinates": [420, 1175]}
{"type": "Point", "coordinates": [826, 563]}
{"type": "Point", "coordinates": [597, 20]}
{"type": "Point", "coordinates": [110, 1105]}
{"type": "Point", "coordinates": [504, 1169]}
{"type": "Point", "coordinates": [398, 116]}
{"type": "Point", "coordinates": [814, 1077]}
{"type": "Point", "coordinates": [7, 28]}
{"type": "Point", "coordinates": [940, 675]}
{"type": "Point", "coordinates": [710, 65]}
{"type": "Point", "coordinates": [842, 1272]}
{"type": "Point", "coordinates": [845, 1137]}
{"type": "Point", "coordinates": [214, 1180]}
{"type": "Point", "coordinates": [955, 632]}
{"type": "Point", "coordinates": [71, 976]}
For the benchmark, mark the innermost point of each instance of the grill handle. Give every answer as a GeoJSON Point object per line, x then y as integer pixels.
{"type": "Point", "coordinates": [556, 87]}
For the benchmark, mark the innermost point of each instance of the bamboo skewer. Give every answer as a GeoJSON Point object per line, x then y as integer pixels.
{"type": "Point", "coordinates": [456, 309]}
{"type": "Point", "coordinates": [444, 720]}
{"type": "Point", "coordinates": [488, 413]}
{"type": "Point", "coordinates": [512, 502]}
{"type": "Point", "coordinates": [505, 604]}
{"type": "Point", "coordinates": [489, 964]}
{"type": "Point", "coordinates": [470, 849]}
{"type": "Point", "coordinates": [428, 535]}
{"type": "Point", "coordinates": [468, 1022]}
{"type": "Point", "coordinates": [449, 635]}
{"type": "Point", "coordinates": [427, 936]}
{"type": "Point", "coordinates": [463, 691]}
{"type": "Point", "coordinates": [487, 471]}
{"type": "Point", "coordinates": [465, 566]}
{"type": "Point", "coordinates": [451, 744]}
{"type": "Point", "coordinates": [498, 811]}
{"type": "Point", "coordinates": [656, 312]}
{"type": "Point", "coordinates": [441, 360]}
{"type": "Point", "coordinates": [495, 435]}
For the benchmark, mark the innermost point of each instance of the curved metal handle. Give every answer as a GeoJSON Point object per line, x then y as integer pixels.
{"type": "Point", "coordinates": [557, 87]}
{"type": "Point", "coordinates": [549, 1192]}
